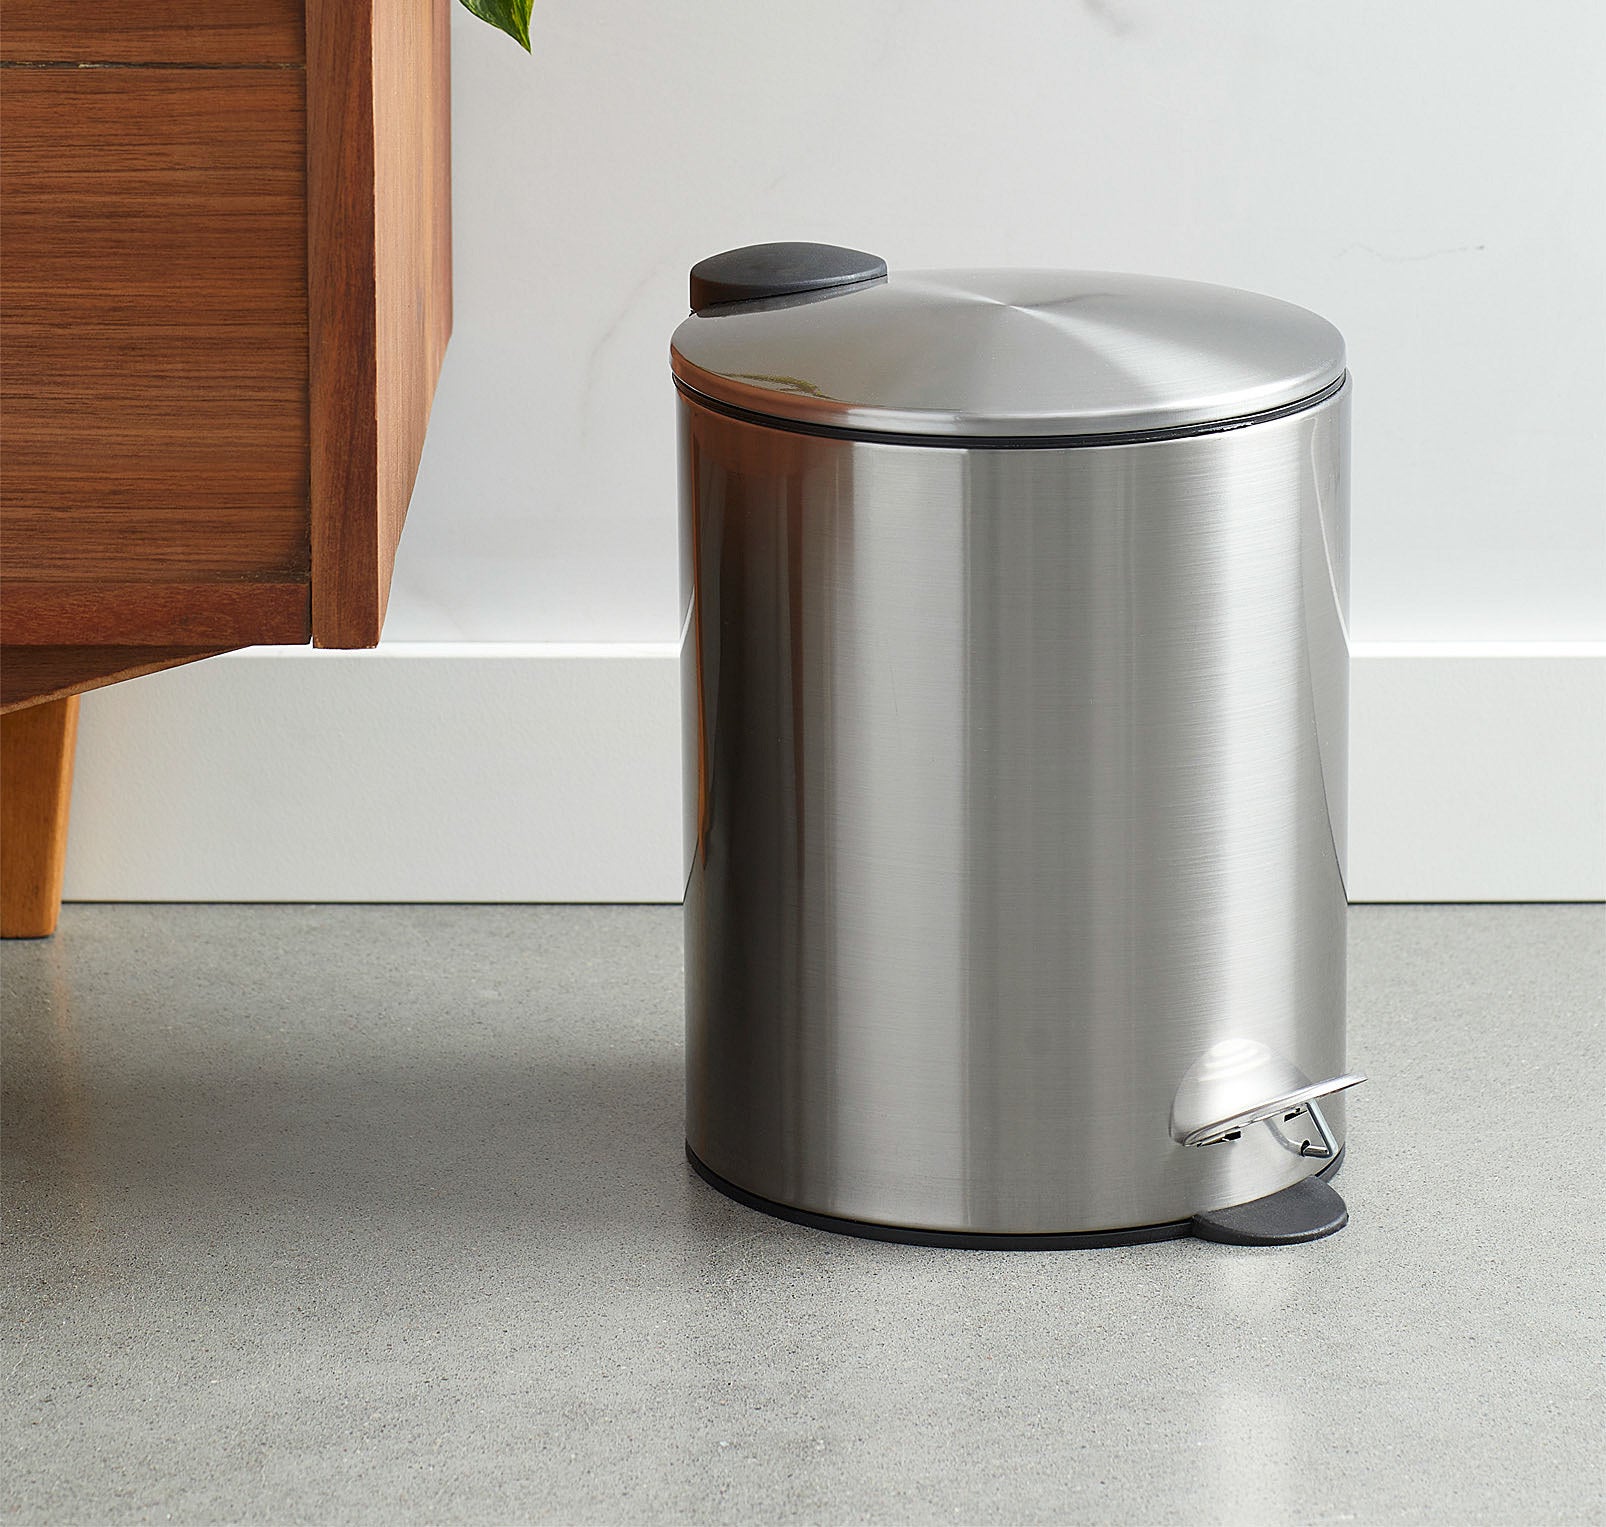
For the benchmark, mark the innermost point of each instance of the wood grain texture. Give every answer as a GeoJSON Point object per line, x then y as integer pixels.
{"type": "Point", "coordinates": [379, 258]}
{"type": "Point", "coordinates": [29, 675]}
{"type": "Point", "coordinates": [151, 31]}
{"type": "Point", "coordinates": [172, 542]}
{"type": "Point", "coordinates": [412, 193]}
{"type": "Point", "coordinates": [239, 614]}
{"type": "Point", "coordinates": [220, 349]}
{"type": "Point", "coordinates": [153, 296]}
{"type": "Point", "coordinates": [36, 756]}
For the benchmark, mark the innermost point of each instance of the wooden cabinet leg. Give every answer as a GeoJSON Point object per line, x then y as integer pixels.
{"type": "Point", "coordinates": [36, 752]}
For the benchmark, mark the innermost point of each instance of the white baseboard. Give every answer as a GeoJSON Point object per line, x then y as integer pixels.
{"type": "Point", "coordinates": [471, 772]}
{"type": "Point", "coordinates": [452, 772]}
{"type": "Point", "coordinates": [1477, 771]}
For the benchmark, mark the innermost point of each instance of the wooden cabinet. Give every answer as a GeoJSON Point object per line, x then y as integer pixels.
{"type": "Point", "coordinates": [225, 292]}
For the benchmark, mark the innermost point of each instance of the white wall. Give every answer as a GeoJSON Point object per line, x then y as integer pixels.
{"type": "Point", "coordinates": [1429, 176]}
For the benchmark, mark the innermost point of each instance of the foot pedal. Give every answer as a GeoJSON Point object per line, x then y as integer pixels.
{"type": "Point", "coordinates": [1305, 1212]}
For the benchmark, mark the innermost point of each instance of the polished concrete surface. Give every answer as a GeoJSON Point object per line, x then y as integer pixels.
{"type": "Point", "coordinates": [330, 1214]}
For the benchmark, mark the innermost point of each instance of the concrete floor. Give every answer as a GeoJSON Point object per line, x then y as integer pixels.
{"type": "Point", "coordinates": [336, 1214]}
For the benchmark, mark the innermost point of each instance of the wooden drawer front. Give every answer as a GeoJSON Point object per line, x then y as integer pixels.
{"type": "Point", "coordinates": [152, 32]}
{"type": "Point", "coordinates": [154, 298]}
{"type": "Point", "coordinates": [225, 285]}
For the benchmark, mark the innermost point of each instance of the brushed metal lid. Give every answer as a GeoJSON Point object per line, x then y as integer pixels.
{"type": "Point", "coordinates": [1001, 353]}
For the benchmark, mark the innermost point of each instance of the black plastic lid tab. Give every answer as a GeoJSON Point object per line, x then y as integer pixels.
{"type": "Point", "coordinates": [779, 270]}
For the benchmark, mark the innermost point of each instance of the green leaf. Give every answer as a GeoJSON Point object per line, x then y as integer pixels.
{"type": "Point", "coordinates": [512, 16]}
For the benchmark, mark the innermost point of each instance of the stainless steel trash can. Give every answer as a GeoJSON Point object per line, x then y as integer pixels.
{"type": "Point", "coordinates": [1015, 729]}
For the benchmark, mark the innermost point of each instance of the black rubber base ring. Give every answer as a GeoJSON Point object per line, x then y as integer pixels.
{"type": "Point", "coordinates": [959, 1240]}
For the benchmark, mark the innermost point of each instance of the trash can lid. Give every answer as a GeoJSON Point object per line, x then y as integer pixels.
{"type": "Point", "coordinates": [829, 340]}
